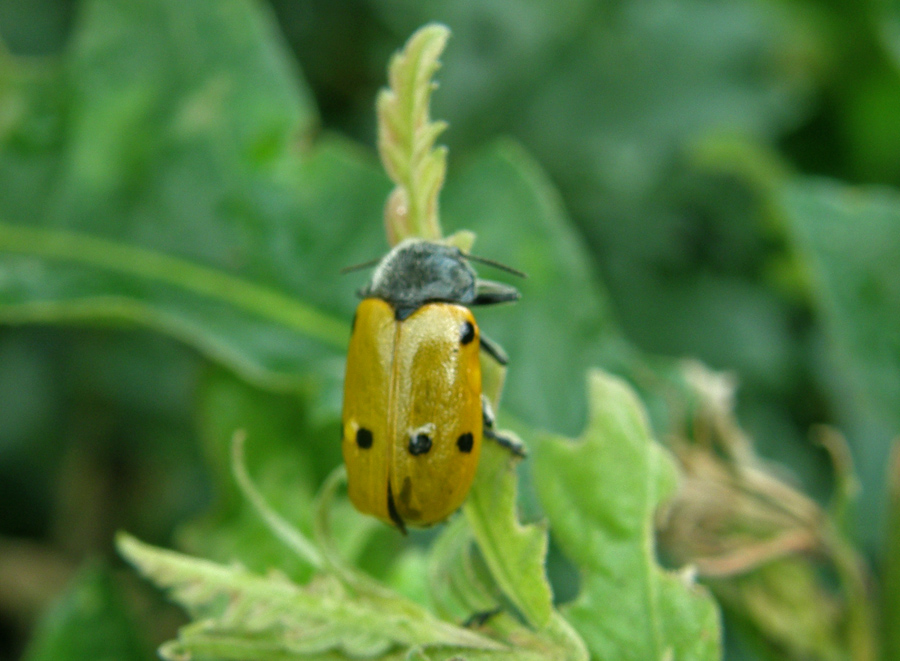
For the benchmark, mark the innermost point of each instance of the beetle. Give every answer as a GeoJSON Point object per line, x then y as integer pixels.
{"type": "Point", "coordinates": [414, 415]}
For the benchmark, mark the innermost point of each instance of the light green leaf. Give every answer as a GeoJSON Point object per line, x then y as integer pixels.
{"type": "Point", "coordinates": [344, 612]}
{"type": "Point", "coordinates": [600, 494]}
{"type": "Point", "coordinates": [406, 137]}
{"type": "Point", "coordinates": [237, 612]}
{"type": "Point", "coordinates": [460, 585]}
{"type": "Point", "coordinates": [514, 553]}
{"type": "Point", "coordinates": [488, 561]}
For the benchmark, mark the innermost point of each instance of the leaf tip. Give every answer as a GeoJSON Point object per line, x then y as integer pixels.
{"type": "Point", "coordinates": [406, 136]}
{"type": "Point", "coordinates": [127, 545]}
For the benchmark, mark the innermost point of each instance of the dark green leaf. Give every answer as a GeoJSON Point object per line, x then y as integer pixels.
{"type": "Point", "coordinates": [849, 238]}
{"type": "Point", "coordinates": [90, 621]}
{"type": "Point", "coordinates": [178, 196]}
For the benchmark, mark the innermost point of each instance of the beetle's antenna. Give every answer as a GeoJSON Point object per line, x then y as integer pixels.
{"type": "Point", "coordinates": [360, 267]}
{"type": "Point", "coordinates": [496, 265]}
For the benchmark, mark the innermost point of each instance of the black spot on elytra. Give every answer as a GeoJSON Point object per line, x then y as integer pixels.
{"type": "Point", "coordinates": [465, 442]}
{"type": "Point", "coordinates": [364, 438]}
{"type": "Point", "coordinates": [467, 333]}
{"type": "Point", "coordinates": [419, 444]}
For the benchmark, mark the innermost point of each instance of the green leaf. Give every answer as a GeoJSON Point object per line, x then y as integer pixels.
{"type": "Point", "coordinates": [600, 494]}
{"type": "Point", "coordinates": [515, 554]}
{"type": "Point", "coordinates": [343, 611]}
{"type": "Point", "coordinates": [406, 137]}
{"type": "Point", "coordinates": [90, 621]}
{"type": "Point", "coordinates": [178, 197]}
{"type": "Point", "coordinates": [123, 74]}
{"type": "Point", "coordinates": [240, 613]}
{"type": "Point", "coordinates": [460, 585]}
{"type": "Point", "coordinates": [890, 597]}
{"type": "Point", "coordinates": [489, 562]}
{"type": "Point", "coordinates": [848, 239]}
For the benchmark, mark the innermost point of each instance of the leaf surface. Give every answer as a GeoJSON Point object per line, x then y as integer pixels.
{"type": "Point", "coordinates": [601, 494]}
{"type": "Point", "coordinates": [849, 239]}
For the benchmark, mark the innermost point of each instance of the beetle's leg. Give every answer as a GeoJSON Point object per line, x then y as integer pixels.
{"type": "Point", "coordinates": [481, 618]}
{"type": "Point", "coordinates": [488, 292]}
{"type": "Point", "coordinates": [507, 442]}
{"type": "Point", "coordinates": [494, 350]}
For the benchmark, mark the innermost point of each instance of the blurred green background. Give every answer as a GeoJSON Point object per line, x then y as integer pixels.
{"type": "Point", "coordinates": [681, 178]}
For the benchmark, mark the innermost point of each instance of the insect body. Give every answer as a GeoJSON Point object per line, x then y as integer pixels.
{"type": "Point", "coordinates": [413, 415]}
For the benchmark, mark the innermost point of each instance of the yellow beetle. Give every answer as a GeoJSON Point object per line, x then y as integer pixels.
{"type": "Point", "coordinates": [414, 414]}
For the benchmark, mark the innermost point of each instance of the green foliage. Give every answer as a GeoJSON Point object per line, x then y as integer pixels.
{"type": "Point", "coordinates": [214, 155]}
{"type": "Point", "coordinates": [849, 238]}
{"type": "Point", "coordinates": [515, 554]}
{"type": "Point", "coordinates": [714, 180]}
{"type": "Point", "coordinates": [240, 614]}
{"type": "Point", "coordinates": [600, 495]}
{"type": "Point", "coordinates": [89, 621]}
{"type": "Point", "coordinates": [891, 560]}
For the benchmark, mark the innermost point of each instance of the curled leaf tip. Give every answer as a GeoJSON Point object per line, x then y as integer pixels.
{"type": "Point", "coordinates": [406, 137]}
